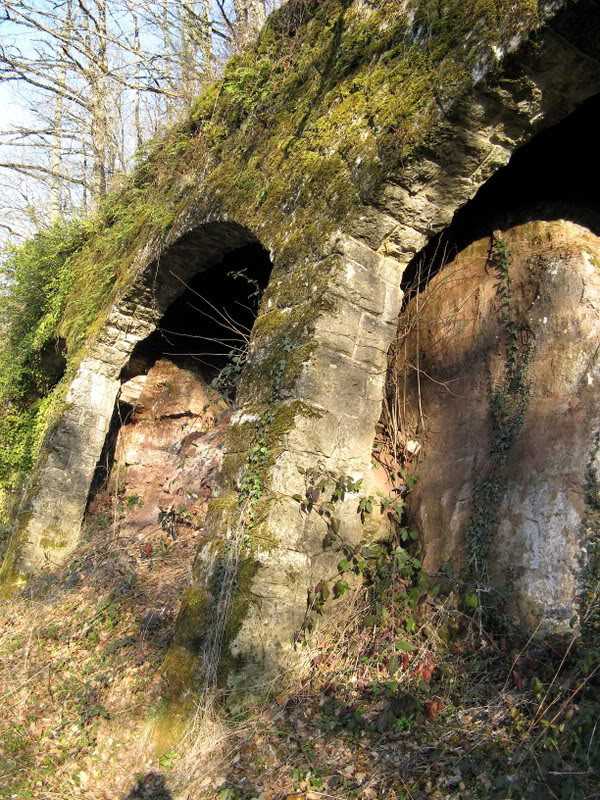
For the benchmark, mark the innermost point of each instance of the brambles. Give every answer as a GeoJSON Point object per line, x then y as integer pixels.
{"type": "Point", "coordinates": [378, 564]}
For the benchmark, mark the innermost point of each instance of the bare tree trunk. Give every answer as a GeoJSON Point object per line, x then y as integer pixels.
{"type": "Point", "coordinates": [196, 47]}
{"type": "Point", "coordinates": [250, 17]}
{"type": "Point", "coordinates": [168, 47]}
{"type": "Point", "coordinates": [55, 159]}
{"type": "Point", "coordinates": [98, 98]}
{"type": "Point", "coordinates": [206, 40]}
{"type": "Point", "coordinates": [57, 185]}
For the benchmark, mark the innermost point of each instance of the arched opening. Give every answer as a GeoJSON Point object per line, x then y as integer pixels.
{"type": "Point", "coordinates": [553, 176]}
{"type": "Point", "coordinates": [208, 325]}
{"type": "Point", "coordinates": [178, 388]}
{"type": "Point", "coordinates": [492, 392]}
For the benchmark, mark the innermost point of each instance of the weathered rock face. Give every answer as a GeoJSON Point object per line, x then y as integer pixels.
{"type": "Point", "coordinates": [505, 339]}
{"type": "Point", "coordinates": [169, 450]}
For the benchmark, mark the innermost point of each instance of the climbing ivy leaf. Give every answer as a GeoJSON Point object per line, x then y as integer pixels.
{"type": "Point", "coordinates": [340, 588]}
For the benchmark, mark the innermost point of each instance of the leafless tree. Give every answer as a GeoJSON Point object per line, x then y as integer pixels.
{"type": "Point", "coordinates": [94, 79]}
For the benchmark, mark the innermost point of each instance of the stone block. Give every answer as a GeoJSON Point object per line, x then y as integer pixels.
{"type": "Point", "coordinates": [393, 298]}
{"type": "Point", "coordinates": [407, 208]}
{"type": "Point", "coordinates": [338, 331]}
{"type": "Point", "coordinates": [403, 243]}
{"type": "Point", "coordinates": [329, 368]}
{"type": "Point", "coordinates": [373, 227]}
{"type": "Point", "coordinates": [343, 442]}
{"type": "Point", "coordinates": [358, 251]}
{"type": "Point", "coordinates": [91, 422]}
{"type": "Point", "coordinates": [364, 288]}
{"type": "Point", "coordinates": [374, 343]}
{"type": "Point", "coordinates": [74, 482]}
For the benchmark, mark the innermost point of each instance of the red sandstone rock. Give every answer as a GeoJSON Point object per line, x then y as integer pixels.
{"type": "Point", "coordinates": [169, 449]}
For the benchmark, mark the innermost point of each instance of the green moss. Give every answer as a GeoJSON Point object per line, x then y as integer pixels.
{"type": "Point", "coordinates": [240, 605]}
{"type": "Point", "coordinates": [263, 538]}
{"type": "Point", "coordinates": [177, 711]}
{"type": "Point", "coordinates": [232, 467]}
{"type": "Point", "coordinates": [240, 437]}
{"type": "Point", "coordinates": [222, 505]}
{"type": "Point", "coordinates": [180, 669]}
{"type": "Point", "coordinates": [284, 418]}
{"type": "Point", "coordinates": [282, 346]}
{"type": "Point", "coordinates": [183, 661]}
{"type": "Point", "coordinates": [306, 283]}
{"type": "Point", "coordinates": [52, 540]}
{"type": "Point", "coordinates": [12, 579]}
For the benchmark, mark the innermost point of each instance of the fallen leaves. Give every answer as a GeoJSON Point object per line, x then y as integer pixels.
{"type": "Point", "coordinates": [434, 708]}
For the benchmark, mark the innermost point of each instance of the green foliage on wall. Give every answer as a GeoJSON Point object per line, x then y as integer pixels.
{"type": "Point", "coordinates": [509, 400]}
{"type": "Point", "coordinates": [34, 279]}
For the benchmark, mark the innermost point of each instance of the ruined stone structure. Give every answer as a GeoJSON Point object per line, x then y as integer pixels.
{"type": "Point", "coordinates": [311, 391]}
{"type": "Point", "coordinates": [503, 489]}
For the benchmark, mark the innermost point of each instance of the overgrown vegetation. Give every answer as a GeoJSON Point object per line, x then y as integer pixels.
{"type": "Point", "coordinates": [35, 279]}
{"type": "Point", "coordinates": [297, 134]}
{"type": "Point", "coordinates": [404, 695]}
{"type": "Point", "coordinates": [409, 694]}
{"type": "Point", "coordinates": [373, 561]}
{"type": "Point", "coordinates": [509, 399]}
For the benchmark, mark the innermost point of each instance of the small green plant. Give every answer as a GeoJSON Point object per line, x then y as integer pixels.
{"type": "Point", "coordinates": [134, 501]}
{"type": "Point", "coordinates": [227, 379]}
{"type": "Point", "coordinates": [169, 759]}
{"type": "Point", "coordinates": [377, 564]}
{"type": "Point", "coordinates": [256, 289]}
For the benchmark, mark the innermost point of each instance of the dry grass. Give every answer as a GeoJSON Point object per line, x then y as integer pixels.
{"type": "Point", "coordinates": [456, 719]}
{"type": "Point", "coordinates": [331, 734]}
{"type": "Point", "coordinates": [80, 656]}
{"type": "Point", "coordinates": [80, 677]}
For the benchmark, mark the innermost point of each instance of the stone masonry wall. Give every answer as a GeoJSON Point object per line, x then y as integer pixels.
{"type": "Point", "coordinates": [330, 324]}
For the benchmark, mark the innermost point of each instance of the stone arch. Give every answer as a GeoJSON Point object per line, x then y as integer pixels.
{"type": "Point", "coordinates": [543, 207]}
{"type": "Point", "coordinates": [49, 521]}
{"type": "Point", "coordinates": [332, 401]}
{"type": "Point", "coordinates": [350, 340]}
{"type": "Point", "coordinates": [539, 85]}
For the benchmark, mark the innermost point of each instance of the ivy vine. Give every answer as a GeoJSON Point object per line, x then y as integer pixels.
{"type": "Point", "coordinates": [377, 563]}
{"type": "Point", "coordinates": [509, 400]}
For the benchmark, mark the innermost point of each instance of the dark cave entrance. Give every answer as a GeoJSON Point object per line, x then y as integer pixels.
{"type": "Point", "coordinates": [554, 176]}
{"type": "Point", "coordinates": [207, 327]}
{"type": "Point", "coordinates": [204, 331]}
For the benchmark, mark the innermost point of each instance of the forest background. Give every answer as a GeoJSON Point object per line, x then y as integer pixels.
{"type": "Point", "coordinates": [86, 84]}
